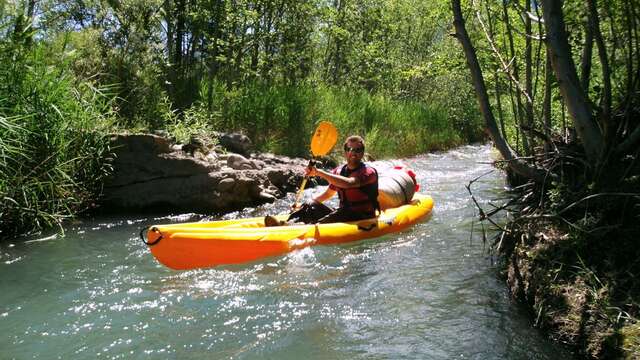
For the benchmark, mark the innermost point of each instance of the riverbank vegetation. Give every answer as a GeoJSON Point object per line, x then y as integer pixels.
{"type": "Point", "coordinates": [73, 72]}
{"type": "Point", "coordinates": [568, 74]}
{"type": "Point", "coordinates": [53, 150]}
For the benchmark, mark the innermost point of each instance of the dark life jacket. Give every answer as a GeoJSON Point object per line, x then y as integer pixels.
{"type": "Point", "coordinates": [361, 199]}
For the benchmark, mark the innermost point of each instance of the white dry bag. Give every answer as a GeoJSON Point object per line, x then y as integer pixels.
{"type": "Point", "coordinates": [396, 186]}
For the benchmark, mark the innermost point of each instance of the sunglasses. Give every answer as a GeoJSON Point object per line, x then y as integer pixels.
{"type": "Point", "coordinates": [358, 150]}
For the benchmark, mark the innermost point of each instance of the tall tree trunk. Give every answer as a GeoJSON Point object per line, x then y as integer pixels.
{"type": "Point", "coordinates": [257, 37]}
{"type": "Point", "coordinates": [528, 78]}
{"type": "Point", "coordinates": [587, 52]}
{"type": "Point", "coordinates": [630, 28]}
{"type": "Point", "coordinates": [568, 82]}
{"type": "Point", "coordinates": [546, 106]}
{"type": "Point", "coordinates": [180, 29]}
{"type": "Point", "coordinates": [498, 92]}
{"type": "Point", "coordinates": [231, 72]}
{"type": "Point", "coordinates": [516, 75]}
{"type": "Point", "coordinates": [215, 32]}
{"type": "Point", "coordinates": [606, 73]}
{"type": "Point", "coordinates": [517, 165]}
{"type": "Point", "coordinates": [268, 39]}
{"type": "Point", "coordinates": [171, 70]}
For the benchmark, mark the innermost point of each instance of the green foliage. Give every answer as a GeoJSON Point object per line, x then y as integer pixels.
{"type": "Point", "coordinates": [51, 138]}
{"type": "Point", "coordinates": [392, 128]}
{"type": "Point", "coordinates": [157, 51]}
{"type": "Point", "coordinates": [120, 47]}
{"type": "Point", "coordinates": [193, 123]}
{"type": "Point", "coordinates": [280, 118]}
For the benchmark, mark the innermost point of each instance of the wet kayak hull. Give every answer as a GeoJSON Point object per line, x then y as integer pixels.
{"type": "Point", "coordinates": [207, 244]}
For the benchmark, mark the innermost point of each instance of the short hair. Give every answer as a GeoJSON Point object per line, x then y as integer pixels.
{"type": "Point", "coordinates": [354, 138]}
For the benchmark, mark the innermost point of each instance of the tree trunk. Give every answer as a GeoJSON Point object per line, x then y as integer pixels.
{"type": "Point", "coordinates": [180, 28]}
{"type": "Point", "coordinates": [587, 51]}
{"type": "Point", "coordinates": [606, 73]}
{"type": "Point", "coordinates": [546, 106]}
{"type": "Point", "coordinates": [516, 75]}
{"type": "Point", "coordinates": [215, 31]}
{"type": "Point", "coordinates": [528, 79]}
{"type": "Point", "coordinates": [630, 27]}
{"type": "Point", "coordinates": [570, 88]}
{"type": "Point", "coordinates": [517, 165]}
{"type": "Point", "coordinates": [171, 71]}
{"type": "Point", "coordinates": [257, 37]}
{"type": "Point", "coordinates": [496, 69]}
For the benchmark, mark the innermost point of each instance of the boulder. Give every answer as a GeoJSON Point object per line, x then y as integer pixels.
{"type": "Point", "coordinates": [239, 162]}
{"type": "Point", "coordinates": [235, 142]}
{"type": "Point", "coordinates": [151, 173]}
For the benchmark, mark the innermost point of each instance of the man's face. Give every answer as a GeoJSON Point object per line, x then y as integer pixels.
{"type": "Point", "coordinates": [354, 151]}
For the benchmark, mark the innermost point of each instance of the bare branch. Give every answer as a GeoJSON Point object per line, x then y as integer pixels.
{"type": "Point", "coordinates": [505, 66]}
{"type": "Point", "coordinates": [593, 196]}
{"type": "Point", "coordinates": [519, 167]}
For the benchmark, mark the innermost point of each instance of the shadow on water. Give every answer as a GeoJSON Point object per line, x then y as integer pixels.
{"type": "Point", "coordinates": [429, 292]}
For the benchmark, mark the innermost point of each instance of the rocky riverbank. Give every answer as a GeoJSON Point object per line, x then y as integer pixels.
{"type": "Point", "coordinates": [150, 173]}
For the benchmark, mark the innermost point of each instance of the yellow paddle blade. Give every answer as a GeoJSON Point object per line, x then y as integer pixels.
{"type": "Point", "coordinates": [323, 139]}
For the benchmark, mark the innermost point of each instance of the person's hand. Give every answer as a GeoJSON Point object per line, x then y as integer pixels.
{"type": "Point", "coordinates": [311, 171]}
{"type": "Point", "coordinates": [310, 202]}
{"type": "Point", "coordinates": [306, 203]}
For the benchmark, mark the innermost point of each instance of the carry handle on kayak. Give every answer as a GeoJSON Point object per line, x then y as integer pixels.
{"type": "Point", "coordinates": [154, 229]}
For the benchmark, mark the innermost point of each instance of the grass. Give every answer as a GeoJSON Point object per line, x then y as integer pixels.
{"type": "Point", "coordinates": [281, 118]}
{"type": "Point", "coordinates": [52, 141]}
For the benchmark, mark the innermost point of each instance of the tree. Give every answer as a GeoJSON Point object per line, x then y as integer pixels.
{"type": "Point", "coordinates": [600, 132]}
{"type": "Point", "coordinates": [516, 164]}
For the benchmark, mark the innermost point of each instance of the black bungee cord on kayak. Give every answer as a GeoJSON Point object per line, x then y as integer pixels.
{"type": "Point", "coordinates": [154, 229]}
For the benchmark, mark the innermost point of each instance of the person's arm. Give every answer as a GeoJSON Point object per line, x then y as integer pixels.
{"type": "Point", "coordinates": [334, 179]}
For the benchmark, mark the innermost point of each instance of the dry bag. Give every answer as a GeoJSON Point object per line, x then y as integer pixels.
{"type": "Point", "coordinates": [396, 186]}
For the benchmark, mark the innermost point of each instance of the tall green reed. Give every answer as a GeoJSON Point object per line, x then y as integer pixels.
{"type": "Point", "coordinates": [392, 128]}
{"type": "Point", "coordinates": [281, 118]}
{"type": "Point", "coordinates": [52, 140]}
{"type": "Point", "coordinates": [277, 118]}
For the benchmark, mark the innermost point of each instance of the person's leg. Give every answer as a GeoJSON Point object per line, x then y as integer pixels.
{"type": "Point", "coordinates": [344, 215]}
{"type": "Point", "coordinates": [310, 213]}
{"type": "Point", "coordinates": [273, 221]}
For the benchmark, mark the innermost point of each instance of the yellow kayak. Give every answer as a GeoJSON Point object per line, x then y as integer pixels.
{"type": "Point", "coordinates": [207, 244]}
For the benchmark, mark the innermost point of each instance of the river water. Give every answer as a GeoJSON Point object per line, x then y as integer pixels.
{"type": "Point", "coordinates": [431, 292]}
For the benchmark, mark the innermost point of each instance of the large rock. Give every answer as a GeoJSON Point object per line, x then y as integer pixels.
{"type": "Point", "coordinates": [239, 162]}
{"type": "Point", "coordinates": [152, 174]}
{"type": "Point", "coordinates": [235, 142]}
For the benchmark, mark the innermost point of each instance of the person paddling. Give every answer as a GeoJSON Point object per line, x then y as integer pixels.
{"type": "Point", "coordinates": [356, 184]}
